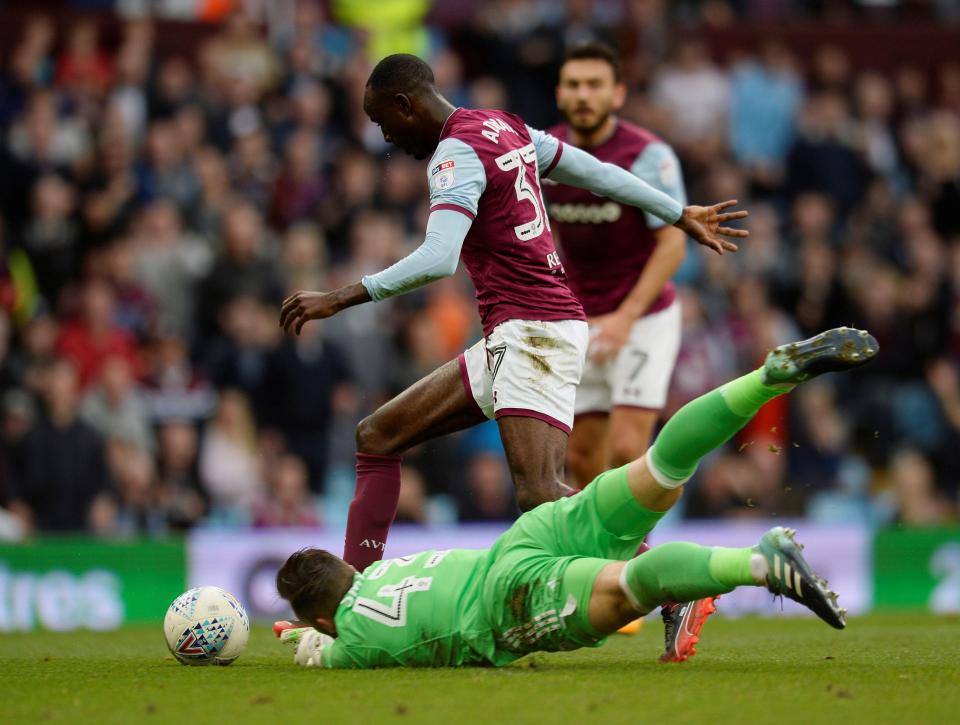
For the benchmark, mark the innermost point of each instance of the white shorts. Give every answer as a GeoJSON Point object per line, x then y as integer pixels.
{"type": "Point", "coordinates": [527, 368]}
{"type": "Point", "coordinates": [639, 376]}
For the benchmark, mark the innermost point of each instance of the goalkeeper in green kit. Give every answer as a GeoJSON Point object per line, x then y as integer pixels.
{"type": "Point", "coordinates": [564, 575]}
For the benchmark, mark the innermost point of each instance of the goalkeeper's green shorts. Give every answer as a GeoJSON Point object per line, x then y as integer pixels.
{"type": "Point", "coordinates": [538, 585]}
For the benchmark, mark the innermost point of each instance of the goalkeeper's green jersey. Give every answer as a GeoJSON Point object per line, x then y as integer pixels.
{"type": "Point", "coordinates": [420, 610]}
{"type": "Point", "coordinates": [529, 592]}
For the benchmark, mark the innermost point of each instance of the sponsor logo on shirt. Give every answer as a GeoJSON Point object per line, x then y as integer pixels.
{"type": "Point", "coordinates": [441, 175]}
{"type": "Point", "coordinates": [586, 213]}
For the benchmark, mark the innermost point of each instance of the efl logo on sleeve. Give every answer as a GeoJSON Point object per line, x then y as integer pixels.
{"type": "Point", "coordinates": [441, 175]}
{"type": "Point", "coordinates": [669, 173]}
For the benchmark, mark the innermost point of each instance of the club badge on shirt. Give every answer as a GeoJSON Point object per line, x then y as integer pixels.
{"type": "Point", "coordinates": [441, 175]}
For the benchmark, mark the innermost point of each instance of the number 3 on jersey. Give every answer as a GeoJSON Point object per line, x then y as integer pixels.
{"type": "Point", "coordinates": [518, 160]}
{"type": "Point", "coordinates": [393, 614]}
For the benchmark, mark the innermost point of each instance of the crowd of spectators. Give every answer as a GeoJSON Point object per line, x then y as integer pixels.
{"type": "Point", "coordinates": [157, 207]}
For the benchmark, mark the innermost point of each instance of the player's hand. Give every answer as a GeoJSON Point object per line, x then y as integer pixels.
{"type": "Point", "coordinates": [608, 334]}
{"type": "Point", "coordinates": [290, 632]}
{"type": "Point", "coordinates": [300, 307]}
{"type": "Point", "coordinates": [705, 224]}
{"type": "Point", "coordinates": [309, 646]}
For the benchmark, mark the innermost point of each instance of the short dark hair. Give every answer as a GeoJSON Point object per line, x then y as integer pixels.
{"type": "Point", "coordinates": [594, 51]}
{"type": "Point", "coordinates": [313, 581]}
{"type": "Point", "coordinates": [400, 73]}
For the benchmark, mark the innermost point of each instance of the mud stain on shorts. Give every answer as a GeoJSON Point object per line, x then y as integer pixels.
{"type": "Point", "coordinates": [517, 602]}
{"type": "Point", "coordinates": [540, 362]}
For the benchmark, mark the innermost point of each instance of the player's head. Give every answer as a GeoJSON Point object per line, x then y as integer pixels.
{"type": "Point", "coordinates": [314, 581]}
{"type": "Point", "coordinates": [397, 98]}
{"type": "Point", "coordinates": [590, 87]}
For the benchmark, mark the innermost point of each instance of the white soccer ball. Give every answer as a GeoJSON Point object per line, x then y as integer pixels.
{"type": "Point", "coordinates": [206, 625]}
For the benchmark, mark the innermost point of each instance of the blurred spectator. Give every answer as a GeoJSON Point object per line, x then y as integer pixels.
{"type": "Point", "coordinates": [252, 164]}
{"type": "Point", "coordinates": [51, 236]}
{"type": "Point", "coordinates": [129, 95]}
{"type": "Point", "coordinates": [821, 438]}
{"type": "Point", "coordinates": [352, 191]}
{"type": "Point", "coordinates": [94, 336]}
{"type": "Point", "coordinates": [299, 186]}
{"type": "Point", "coordinates": [243, 268]}
{"type": "Point", "coordinates": [824, 156]}
{"type": "Point", "coordinates": [941, 168]}
{"type": "Point", "coordinates": [166, 172]}
{"type": "Point", "coordinates": [488, 494]}
{"type": "Point", "coordinates": [216, 195]}
{"type": "Point", "coordinates": [913, 482]}
{"type": "Point", "coordinates": [133, 508]}
{"type": "Point", "coordinates": [238, 357]}
{"type": "Point", "coordinates": [30, 65]}
{"type": "Point", "coordinates": [111, 199]}
{"type": "Point", "coordinates": [169, 263]}
{"type": "Point", "coordinates": [765, 94]}
{"type": "Point", "coordinates": [39, 142]}
{"type": "Point", "coordinates": [173, 87]}
{"type": "Point", "coordinates": [704, 360]}
{"type": "Point", "coordinates": [179, 493]}
{"type": "Point", "coordinates": [82, 67]}
{"type": "Point", "coordinates": [19, 414]}
{"type": "Point", "coordinates": [297, 395]}
{"type": "Point", "coordinates": [246, 53]}
{"type": "Point", "coordinates": [287, 502]}
{"type": "Point", "coordinates": [229, 471]}
{"type": "Point", "coordinates": [135, 305]}
{"type": "Point", "coordinates": [173, 388]}
{"type": "Point", "coordinates": [329, 44]}
{"type": "Point", "coordinates": [37, 348]}
{"type": "Point", "coordinates": [696, 95]}
{"type": "Point", "coordinates": [874, 108]}
{"type": "Point", "coordinates": [303, 257]}
{"type": "Point", "coordinates": [412, 502]}
{"type": "Point", "coordinates": [395, 26]}
{"type": "Point", "coordinates": [521, 42]}
{"type": "Point", "coordinates": [830, 69]}
{"type": "Point", "coordinates": [114, 408]}
{"type": "Point", "coordinates": [64, 468]}
{"type": "Point", "coordinates": [9, 374]}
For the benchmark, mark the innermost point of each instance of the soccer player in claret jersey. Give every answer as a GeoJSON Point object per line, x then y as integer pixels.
{"type": "Point", "coordinates": [619, 261]}
{"type": "Point", "coordinates": [562, 576]}
{"type": "Point", "coordinates": [485, 203]}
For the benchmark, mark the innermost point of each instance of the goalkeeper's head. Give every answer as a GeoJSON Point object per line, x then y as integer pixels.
{"type": "Point", "coordinates": [314, 582]}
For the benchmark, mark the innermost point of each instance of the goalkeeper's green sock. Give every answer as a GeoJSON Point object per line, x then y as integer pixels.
{"type": "Point", "coordinates": [706, 423]}
{"type": "Point", "coordinates": [684, 572]}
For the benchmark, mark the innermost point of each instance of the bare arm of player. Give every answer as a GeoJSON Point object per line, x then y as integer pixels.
{"type": "Point", "coordinates": [703, 223]}
{"type": "Point", "coordinates": [436, 258]}
{"type": "Point", "coordinates": [659, 167]}
{"type": "Point", "coordinates": [613, 329]}
{"type": "Point", "coordinates": [303, 306]}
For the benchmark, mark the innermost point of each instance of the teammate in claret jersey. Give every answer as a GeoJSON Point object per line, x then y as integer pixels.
{"type": "Point", "coordinates": [562, 576]}
{"type": "Point", "coordinates": [486, 206]}
{"type": "Point", "coordinates": [619, 261]}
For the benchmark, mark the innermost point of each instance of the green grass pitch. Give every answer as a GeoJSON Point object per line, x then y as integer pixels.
{"type": "Point", "coordinates": [882, 669]}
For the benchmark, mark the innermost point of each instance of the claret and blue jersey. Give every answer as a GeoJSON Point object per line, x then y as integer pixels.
{"type": "Point", "coordinates": [604, 243]}
{"type": "Point", "coordinates": [487, 166]}
{"type": "Point", "coordinates": [487, 207]}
